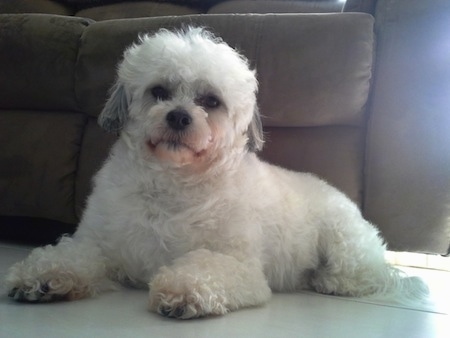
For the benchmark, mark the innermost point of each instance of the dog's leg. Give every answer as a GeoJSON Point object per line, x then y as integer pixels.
{"type": "Point", "coordinates": [70, 270]}
{"type": "Point", "coordinates": [353, 264]}
{"type": "Point", "coordinates": [207, 283]}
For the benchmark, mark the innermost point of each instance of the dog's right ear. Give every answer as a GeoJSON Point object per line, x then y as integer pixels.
{"type": "Point", "coordinates": [115, 113]}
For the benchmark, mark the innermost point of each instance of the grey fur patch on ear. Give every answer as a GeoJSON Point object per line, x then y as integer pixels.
{"type": "Point", "coordinates": [255, 133]}
{"type": "Point", "coordinates": [115, 113]}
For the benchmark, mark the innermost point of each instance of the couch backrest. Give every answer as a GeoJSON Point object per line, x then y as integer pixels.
{"type": "Point", "coordinates": [115, 9]}
{"type": "Point", "coordinates": [314, 73]}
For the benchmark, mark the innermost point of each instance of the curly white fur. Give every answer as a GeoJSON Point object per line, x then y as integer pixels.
{"type": "Point", "coordinates": [184, 204]}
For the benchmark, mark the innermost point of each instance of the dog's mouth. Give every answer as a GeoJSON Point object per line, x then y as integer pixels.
{"type": "Point", "coordinates": [177, 152]}
{"type": "Point", "coordinates": [173, 146]}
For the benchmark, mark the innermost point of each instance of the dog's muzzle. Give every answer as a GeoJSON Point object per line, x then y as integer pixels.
{"type": "Point", "coordinates": [180, 140]}
{"type": "Point", "coordinates": [178, 119]}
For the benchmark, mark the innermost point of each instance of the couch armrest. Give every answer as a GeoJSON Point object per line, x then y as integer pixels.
{"type": "Point", "coordinates": [408, 149]}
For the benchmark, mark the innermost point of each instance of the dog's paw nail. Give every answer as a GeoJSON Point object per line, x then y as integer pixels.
{"type": "Point", "coordinates": [179, 312]}
{"type": "Point", "coordinates": [28, 296]}
{"type": "Point", "coordinates": [18, 295]}
{"type": "Point", "coordinates": [163, 311]}
{"type": "Point", "coordinates": [12, 293]}
{"type": "Point", "coordinates": [44, 289]}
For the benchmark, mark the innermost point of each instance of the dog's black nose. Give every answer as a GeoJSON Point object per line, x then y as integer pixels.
{"type": "Point", "coordinates": [178, 119]}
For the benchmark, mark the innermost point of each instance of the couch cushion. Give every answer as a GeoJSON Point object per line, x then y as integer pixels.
{"type": "Point", "coordinates": [275, 6]}
{"type": "Point", "coordinates": [321, 77]}
{"type": "Point", "coordinates": [34, 6]}
{"type": "Point", "coordinates": [90, 3]}
{"type": "Point", "coordinates": [94, 150]}
{"type": "Point", "coordinates": [38, 156]}
{"type": "Point", "coordinates": [335, 153]}
{"type": "Point", "coordinates": [38, 69]}
{"type": "Point", "coordinates": [135, 10]}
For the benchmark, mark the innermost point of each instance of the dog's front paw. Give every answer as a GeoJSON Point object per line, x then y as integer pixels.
{"type": "Point", "coordinates": [26, 284]}
{"type": "Point", "coordinates": [184, 306]}
{"type": "Point", "coordinates": [185, 296]}
{"type": "Point", "coordinates": [62, 272]}
{"type": "Point", "coordinates": [40, 292]}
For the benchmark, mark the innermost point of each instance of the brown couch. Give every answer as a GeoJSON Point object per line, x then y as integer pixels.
{"type": "Point", "coordinates": [380, 130]}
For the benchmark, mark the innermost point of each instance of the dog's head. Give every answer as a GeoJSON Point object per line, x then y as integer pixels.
{"type": "Point", "coordinates": [184, 97]}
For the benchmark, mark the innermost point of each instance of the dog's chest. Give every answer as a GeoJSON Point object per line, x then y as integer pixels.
{"type": "Point", "coordinates": [148, 222]}
{"type": "Point", "coordinates": [160, 229]}
{"type": "Point", "coordinates": [178, 221]}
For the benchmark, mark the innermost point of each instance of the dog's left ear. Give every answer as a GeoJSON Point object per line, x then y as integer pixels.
{"type": "Point", "coordinates": [255, 132]}
{"type": "Point", "coordinates": [115, 113]}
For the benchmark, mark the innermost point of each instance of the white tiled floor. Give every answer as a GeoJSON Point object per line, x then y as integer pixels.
{"type": "Point", "coordinates": [124, 314]}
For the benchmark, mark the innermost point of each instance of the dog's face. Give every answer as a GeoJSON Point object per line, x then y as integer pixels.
{"type": "Point", "coordinates": [184, 99]}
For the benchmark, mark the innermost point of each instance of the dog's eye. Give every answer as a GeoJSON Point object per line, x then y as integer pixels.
{"type": "Point", "coordinates": [160, 93]}
{"type": "Point", "coordinates": [209, 101]}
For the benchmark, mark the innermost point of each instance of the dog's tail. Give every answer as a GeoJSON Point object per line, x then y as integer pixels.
{"type": "Point", "coordinates": [397, 288]}
{"type": "Point", "coordinates": [375, 281]}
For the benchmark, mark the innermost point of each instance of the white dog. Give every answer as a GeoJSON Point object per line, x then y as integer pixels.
{"type": "Point", "coordinates": [184, 205]}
